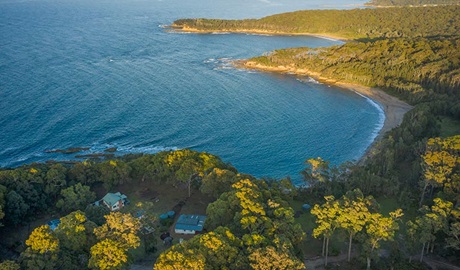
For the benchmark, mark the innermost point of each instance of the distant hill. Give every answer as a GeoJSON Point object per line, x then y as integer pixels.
{"type": "Point", "coordinates": [385, 3]}
{"type": "Point", "coordinates": [414, 69]}
{"type": "Point", "coordinates": [348, 24]}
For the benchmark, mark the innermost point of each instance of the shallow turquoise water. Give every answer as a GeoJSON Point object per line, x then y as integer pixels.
{"type": "Point", "coordinates": [105, 73]}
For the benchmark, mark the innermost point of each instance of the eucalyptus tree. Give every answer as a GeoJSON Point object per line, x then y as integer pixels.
{"type": "Point", "coordinates": [440, 163]}
{"type": "Point", "coordinates": [42, 249]}
{"type": "Point", "coordinates": [354, 214]}
{"type": "Point", "coordinates": [327, 220]}
{"type": "Point", "coordinates": [378, 229]}
{"type": "Point", "coordinates": [76, 197]}
{"type": "Point", "coordinates": [116, 237]}
{"type": "Point", "coordinates": [432, 220]}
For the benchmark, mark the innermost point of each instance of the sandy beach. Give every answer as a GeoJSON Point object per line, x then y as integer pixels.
{"type": "Point", "coordinates": [393, 108]}
{"type": "Point", "coordinates": [186, 29]}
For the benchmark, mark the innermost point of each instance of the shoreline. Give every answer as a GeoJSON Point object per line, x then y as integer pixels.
{"type": "Point", "coordinates": [186, 29]}
{"type": "Point", "coordinates": [394, 109]}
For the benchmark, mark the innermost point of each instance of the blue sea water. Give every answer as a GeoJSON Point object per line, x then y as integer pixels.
{"type": "Point", "coordinates": [105, 73]}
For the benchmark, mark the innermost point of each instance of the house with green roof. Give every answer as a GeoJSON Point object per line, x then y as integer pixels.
{"type": "Point", "coordinates": [189, 224]}
{"type": "Point", "coordinates": [114, 201]}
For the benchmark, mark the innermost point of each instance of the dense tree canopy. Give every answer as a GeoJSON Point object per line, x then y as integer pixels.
{"type": "Point", "coordinates": [75, 197]}
{"type": "Point", "coordinates": [351, 24]}
{"type": "Point", "coordinates": [387, 3]}
{"type": "Point", "coordinates": [415, 69]}
{"type": "Point", "coordinates": [251, 227]}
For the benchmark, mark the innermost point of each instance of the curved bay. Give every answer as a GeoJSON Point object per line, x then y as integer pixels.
{"type": "Point", "coordinates": [103, 73]}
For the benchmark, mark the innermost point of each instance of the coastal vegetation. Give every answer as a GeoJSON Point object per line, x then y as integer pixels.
{"type": "Point", "coordinates": [404, 199]}
{"type": "Point", "coordinates": [415, 69]}
{"type": "Point", "coordinates": [391, 3]}
{"type": "Point", "coordinates": [251, 222]}
{"type": "Point", "coordinates": [348, 24]}
{"type": "Point", "coordinates": [409, 53]}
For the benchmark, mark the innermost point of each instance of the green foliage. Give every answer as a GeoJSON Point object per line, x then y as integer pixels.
{"type": "Point", "coordinates": [352, 24]}
{"type": "Point", "coordinates": [380, 229]}
{"type": "Point", "coordinates": [40, 187]}
{"type": "Point", "coordinates": [107, 255]}
{"type": "Point", "coordinates": [390, 3]}
{"type": "Point", "coordinates": [317, 171]}
{"type": "Point", "coordinates": [415, 69]}
{"type": "Point", "coordinates": [55, 179]}
{"type": "Point", "coordinates": [42, 240]}
{"type": "Point", "coordinates": [425, 228]}
{"type": "Point", "coordinates": [270, 258]}
{"type": "Point", "coordinates": [354, 213]}
{"type": "Point", "coordinates": [327, 220]}
{"type": "Point", "coordinates": [421, 71]}
{"type": "Point", "coordinates": [441, 164]}
{"type": "Point", "coordinates": [122, 228]}
{"type": "Point", "coordinates": [83, 172]}
{"type": "Point", "coordinates": [449, 127]}
{"type": "Point", "coordinates": [258, 216]}
{"type": "Point", "coordinates": [32, 260]}
{"type": "Point", "coordinates": [76, 197]}
{"type": "Point", "coordinates": [179, 257]}
{"type": "Point", "coordinates": [16, 208]}
{"type": "Point", "coordinates": [113, 173]}
{"type": "Point", "coordinates": [248, 225]}
{"type": "Point", "coordinates": [9, 265]}
{"type": "Point", "coordinates": [453, 239]}
{"type": "Point", "coordinates": [218, 181]}
{"type": "Point", "coordinates": [96, 213]}
{"type": "Point", "coordinates": [219, 249]}
{"type": "Point", "coordinates": [72, 232]}
{"type": "Point", "coordinates": [187, 162]}
{"type": "Point", "coordinates": [2, 202]}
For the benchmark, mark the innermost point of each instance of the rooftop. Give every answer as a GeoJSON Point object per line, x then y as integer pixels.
{"type": "Point", "coordinates": [190, 222]}
{"type": "Point", "coordinates": [54, 223]}
{"type": "Point", "coordinates": [112, 198]}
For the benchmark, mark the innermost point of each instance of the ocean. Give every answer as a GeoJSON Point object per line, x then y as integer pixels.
{"type": "Point", "coordinates": [103, 74]}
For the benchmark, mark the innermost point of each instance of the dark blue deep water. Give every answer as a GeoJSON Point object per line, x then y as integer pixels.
{"type": "Point", "coordinates": [104, 73]}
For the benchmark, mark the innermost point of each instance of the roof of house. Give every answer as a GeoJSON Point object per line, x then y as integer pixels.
{"type": "Point", "coordinates": [54, 223]}
{"type": "Point", "coordinates": [113, 198]}
{"type": "Point", "coordinates": [190, 222]}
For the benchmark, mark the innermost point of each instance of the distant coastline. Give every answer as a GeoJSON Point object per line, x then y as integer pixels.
{"type": "Point", "coordinates": [186, 29]}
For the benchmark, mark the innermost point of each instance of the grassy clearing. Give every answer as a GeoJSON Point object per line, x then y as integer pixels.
{"type": "Point", "coordinates": [164, 198]}
{"type": "Point", "coordinates": [310, 246]}
{"type": "Point", "coordinates": [388, 205]}
{"type": "Point", "coordinates": [449, 127]}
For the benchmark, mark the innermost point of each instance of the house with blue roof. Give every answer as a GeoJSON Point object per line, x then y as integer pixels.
{"type": "Point", "coordinates": [54, 224]}
{"type": "Point", "coordinates": [189, 224]}
{"type": "Point", "coordinates": [114, 201]}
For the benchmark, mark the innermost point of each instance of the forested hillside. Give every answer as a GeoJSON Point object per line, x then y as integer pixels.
{"type": "Point", "coordinates": [349, 24]}
{"type": "Point", "coordinates": [389, 3]}
{"type": "Point", "coordinates": [251, 219]}
{"type": "Point", "coordinates": [389, 212]}
{"type": "Point", "coordinates": [424, 72]}
{"type": "Point", "coordinates": [412, 53]}
{"type": "Point", "coordinates": [415, 69]}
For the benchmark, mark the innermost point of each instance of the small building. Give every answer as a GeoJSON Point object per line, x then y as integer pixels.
{"type": "Point", "coordinates": [114, 201]}
{"type": "Point", "coordinates": [54, 224]}
{"type": "Point", "coordinates": [189, 224]}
